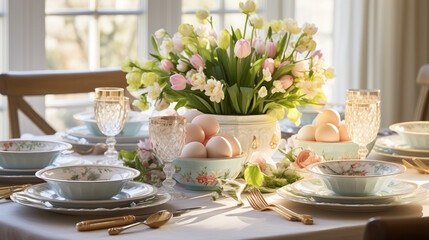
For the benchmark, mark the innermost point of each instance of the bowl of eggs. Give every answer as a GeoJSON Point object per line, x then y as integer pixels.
{"type": "Point", "coordinates": [328, 137]}
{"type": "Point", "coordinates": [207, 155]}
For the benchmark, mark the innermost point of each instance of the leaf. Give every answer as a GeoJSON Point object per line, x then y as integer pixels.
{"type": "Point", "coordinates": [246, 98]}
{"type": "Point", "coordinates": [233, 63]}
{"type": "Point", "coordinates": [270, 32]}
{"type": "Point", "coordinates": [281, 46]}
{"type": "Point", "coordinates": [234, 93]}
{"type": "Point", "coordinates": [253, 176]}
{"type": "Point", "coordinates": [245, 66]}
{"type": "Point", "coordinates": [238, 33]}
{"type": "Point", "coordinates": [156, 56]}
{"type": "Point", "coordinates": [282, 71]}
{"type": "Point", "coordinates": [222, 56]}
{"type": "Point", "coordinates": [155, 44]}
{"type": "Point", "coordinates": [127, 154]}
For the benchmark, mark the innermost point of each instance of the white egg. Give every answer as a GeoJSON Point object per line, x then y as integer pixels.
{"type": "Point", "coordinates": [235, 144]}
{"type": "Point", "coordinates": [327, 132]}
{"type": "Point", "coordinates": [328, 116]}
{"type": "Point", "coordinates": [191, 114]}
{"type": "Point", "coordinates": [344, 136]}
{"type": "Point", "coordinates": [218, 147]}
{"type": "Point", "coordinates": [194, 150]}
{"type": "Point", "coordinates": [194, 133]}
{"type": "Point", "coordinates": [307, 133]}
{"type": "Point", "coordinates": [208, 123]}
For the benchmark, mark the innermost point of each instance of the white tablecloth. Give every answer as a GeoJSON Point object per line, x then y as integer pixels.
{"type": "Point", "coordinates": [220, 219]}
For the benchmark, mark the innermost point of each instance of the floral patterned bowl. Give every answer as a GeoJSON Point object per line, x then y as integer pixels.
{"type": "Point", "coordinates": [356, 177]}
{"type": "Point", "coordinates": [202, 173]}
{"type": "Point", "coordinates": [416, 134]}
{"type": "Point", "coordinates": [28, 154]}
{"type": "Point", "coordinates": [135, 121]}
{"type": "Point", "coordinates": [87, 182]}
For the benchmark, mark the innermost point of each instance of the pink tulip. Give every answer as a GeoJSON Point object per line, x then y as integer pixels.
{"type": "Point", "coordinates": [271, 49]}
{"type": "Point", "coordinates": [197, 61]}
{"type": "Point", "coordinates": [167, 66]}
{"type": "Point", "coordinates": [283, 63]}
{"type": "Point", "coordinates": [286, 81]}
{"type": "Point", "coordinates": [242, 48]}
{"type": "Point", "coordinates": [178, 82]}
{"type": "Point", "coordinates": [268, 63]}
{"type": "Point", "coordinates": [317, 53]}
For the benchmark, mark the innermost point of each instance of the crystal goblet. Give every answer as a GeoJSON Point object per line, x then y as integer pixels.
{"type": "Point", "coordinates": [105, 92]}
{"type": "Point", "coordinates": [111, 114]}
{"type": "Point", "coordinates": [363, 122]}
{"type": "Point", "coordinates": [363, 95]}
{"type": "Point", "coordinates": [167, 136]}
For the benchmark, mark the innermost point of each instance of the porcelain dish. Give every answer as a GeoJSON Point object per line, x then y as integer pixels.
{"type": "Point", "coordinates": [83, 132]}
{"type": "Point", "coordinates": [87, 182]}
{"type": "Point", "coordinates": [398, 145]}
{"type": "Point", "coordinates": [138, 207]}
{"type": "Point", "coordinates": [389, 154]}
{"type": "Point", "coordinates": [418, 195]}
{"type": "Point", "coordinates": [355, 177]}
{"type": "Point", "coordinates": [203, 173]}
{"type": "Point", "coordinates": [315, 188]}
{"type": "Point", "coordinates": [415, 134]}
{"type": "Point", "coordinates": [135, 121]}
{"type": "Point", "coordinates": [131, 192]}
{"type": "Point", "coordinates": [6, 171]}
{"type": "Point", "coordinates": [29, 154]}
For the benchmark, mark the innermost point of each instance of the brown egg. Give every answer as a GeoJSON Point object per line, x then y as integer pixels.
{"type": "Point", "coordinates": [191, 114]}
{"type": "Point", "coordinates": [328, 116]}
{"type": "Point", "coordinates": [194, 150]}
{"type": "Point", "coordinates": [208, 123]}
{"type": "Point", "coordinates": [344, 136]}
{"type": "Point", "coordinates": [235, 144]}
{"type": "Point", "coordinates": [306, 133]}
{"type": "Point", "coordinates": [194, 133]}
{"type": "Point", "coordinates": [218, 147]}
{"type": "Point", "coordinates": [327, 132]}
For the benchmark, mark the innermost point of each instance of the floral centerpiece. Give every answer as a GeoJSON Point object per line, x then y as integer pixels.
{"type": "Point", "coordinates": [272, 67]}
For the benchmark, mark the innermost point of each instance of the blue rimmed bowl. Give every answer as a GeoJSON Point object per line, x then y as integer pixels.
{"type": "Point", "coordinates": [355, 177]}
{"type": "Point", "coordinates": [416, 133]}
{"type": "Point", "coordinates": [29, 154]}
{"type": "Point", "coordinates": [202, 174]}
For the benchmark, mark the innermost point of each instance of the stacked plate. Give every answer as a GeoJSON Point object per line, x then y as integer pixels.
{"type": "Point", "coordinates": [313, 192]}
{"type": "Point", "coordinates": [395, 146]}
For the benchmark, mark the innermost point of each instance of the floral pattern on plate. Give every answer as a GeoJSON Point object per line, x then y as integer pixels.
{"type": "Point", "coordinates": [23, 146]}
{"type": "Point", "coordinates": [355, 168]}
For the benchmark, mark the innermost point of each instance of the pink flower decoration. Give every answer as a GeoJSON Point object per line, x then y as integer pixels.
{"type": "Point", "coordinates": [317, 53]}
{"type": "Point", "coordinates": [286, 81]}
{"type": "Point", "coordinates": [283, 63]}
{"type": "Point", "coordinates": [197, 61]}
{"type": "Point", "coordinates": [271, 49]}
{"type": "Point", "coordinates": [268, 63]}
{"type": "Point", "coordinates": [178, 82]}
{"type": "Point", "coordinates": [307, 157]}
{"type": "Point", "coordinates": [242, 48]}
{"type": "Point", "coordinates": [167, 66]}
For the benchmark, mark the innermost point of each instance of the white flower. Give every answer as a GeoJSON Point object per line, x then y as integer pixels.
{"type": "Point", "coordinates": [182, 65]}
{"type": "Point", "coordinates": [198, 80]}
{"type": "Point", "coordinates": [247, 7]}
{"type": "Point", "coordinates": [318, 66]}
{"type": "Point", "coordinates": [214, 90]}
{"type": "Point", "coordinates": [262, 92]}
{"type": "Point", "coordinates": [166, 47]}
{"type": "Point", "coordinates": [154, 91]}
{"type": "Point", "coordinates": [329, 73]}
{"type": "Point", "coordinates": [291, 26]}
{"type": "Point", "coordinates": [301, 48]}
{"type": "Point", "coordinates": [267, 74]}
{"type": "Point", "coordinates": [161, 104]}
{"type": "Point", "coordinates": [202, 32]}
{"type": "Point", "coordinates": [177, 43]}
{"type": "Point", "coordinates": [310, 29]}
{"type": "Point", "coordinates": [192, 48]}
{"type": "Point", "coordinates": [309, 88]}
{"type": "Point", "coordinates": [277, 87]}
{"type": "Point", "coordinates": [256, 22]}
{"type": "Point", "coordinates": [160, 33]}
{"type": "Point", "coordinates": [190, 73]}
{"type": "Point", "coordinates": [300, 69]}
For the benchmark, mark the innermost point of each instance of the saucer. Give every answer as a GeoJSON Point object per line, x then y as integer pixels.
{"type": "Point", "coordinates": [418, 195]}
{"type": "Point", "coordinates": [315, 188]}
{"type": "Point", "coordinates": [388, 153]}
{"type": "Point", "coordinates": [397, 145]}
{"type": "Point", "coordinates": [83, 132]}
{"type": "Point", "coordinates": [5, 171]}
{"type": "Point", "coordinates": [131, 192]}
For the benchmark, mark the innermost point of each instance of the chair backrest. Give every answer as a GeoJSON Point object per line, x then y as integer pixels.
{"type": "Point", "coordinates": [397, 228]}
{"type": "Point", "coordinates": [16, 85]}
{"type": "Point", "coordinates": [422, 102]}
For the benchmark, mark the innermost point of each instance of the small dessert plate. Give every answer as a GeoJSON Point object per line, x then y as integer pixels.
{"type": "Point", "coordinates": [83, 132]}
{"type": "Point", "coordinates": [131, 192]}
{"type": "Point", "coordinates": [315, 188]}
{"type": "Point", "coordinates": [398, 145]}
{"type": "Point", "coordinates": [6, 171]}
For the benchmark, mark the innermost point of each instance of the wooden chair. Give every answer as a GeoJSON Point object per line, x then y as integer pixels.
{"type": "Point", "coordinates": [16, 85]}
{"type": "Point", "coordinates": [397, 229]}
{"type": "Point", "coordinates": [422, 102]}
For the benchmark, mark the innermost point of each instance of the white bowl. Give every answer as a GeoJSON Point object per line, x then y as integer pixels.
{"type": "Point", "coordinates": [356, 177]}
{"type": "Point", "coordinates": [87, 182]}
{"type": "Point", "coordinates": [135, 121]}
{"type": "Point", "coordinates": [29, 154]}
{"type": "Point", "coordinates": [416, 134]}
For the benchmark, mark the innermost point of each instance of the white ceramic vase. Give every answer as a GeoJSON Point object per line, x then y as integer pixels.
{"type": "Point", "coordinates": [256, 133]}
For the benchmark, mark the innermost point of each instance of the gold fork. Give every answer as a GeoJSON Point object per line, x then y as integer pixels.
{"type": "Point", "coordinates": [5, 192]}
{"type": "Point", "coordinates": [257, 207]}
{"type": "Point", "coordinates": [306, 219]}
{"type": "Point", "coordinates": [421, 164]}
{"type": "Point", "coordinates": [409, 165]}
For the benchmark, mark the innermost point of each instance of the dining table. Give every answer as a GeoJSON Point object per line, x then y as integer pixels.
{"type": "Point", "coordinates": [215, 219]}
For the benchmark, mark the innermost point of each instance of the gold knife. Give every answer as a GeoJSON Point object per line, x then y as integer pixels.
{"type": "Point", "coordinates": [103, 223]}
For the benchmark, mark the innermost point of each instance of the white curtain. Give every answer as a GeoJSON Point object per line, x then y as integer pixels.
{"type": "Point", "coordinates": [382, 44]}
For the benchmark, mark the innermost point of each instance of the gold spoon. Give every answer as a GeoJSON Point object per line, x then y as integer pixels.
{"type": "Point", "coordinates": [155, 220]}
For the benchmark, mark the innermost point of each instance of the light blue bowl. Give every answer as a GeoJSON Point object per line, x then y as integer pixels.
{"type": "Point", "coordinates": [201, 174]}
{"type": "Point", "coordinates": [87, 182]}
{"type": "Point", "coordinates": [28, 154]}
{"type": "Point", "coordinates": [332, 151]}
{"type": "Point", "coordinates": [135, 121]}
{"type": "Point", "coordinates": [416, 134]}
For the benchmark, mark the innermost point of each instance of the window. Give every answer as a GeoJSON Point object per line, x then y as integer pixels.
{"type": "Point", "coordinates": [88, 34]}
